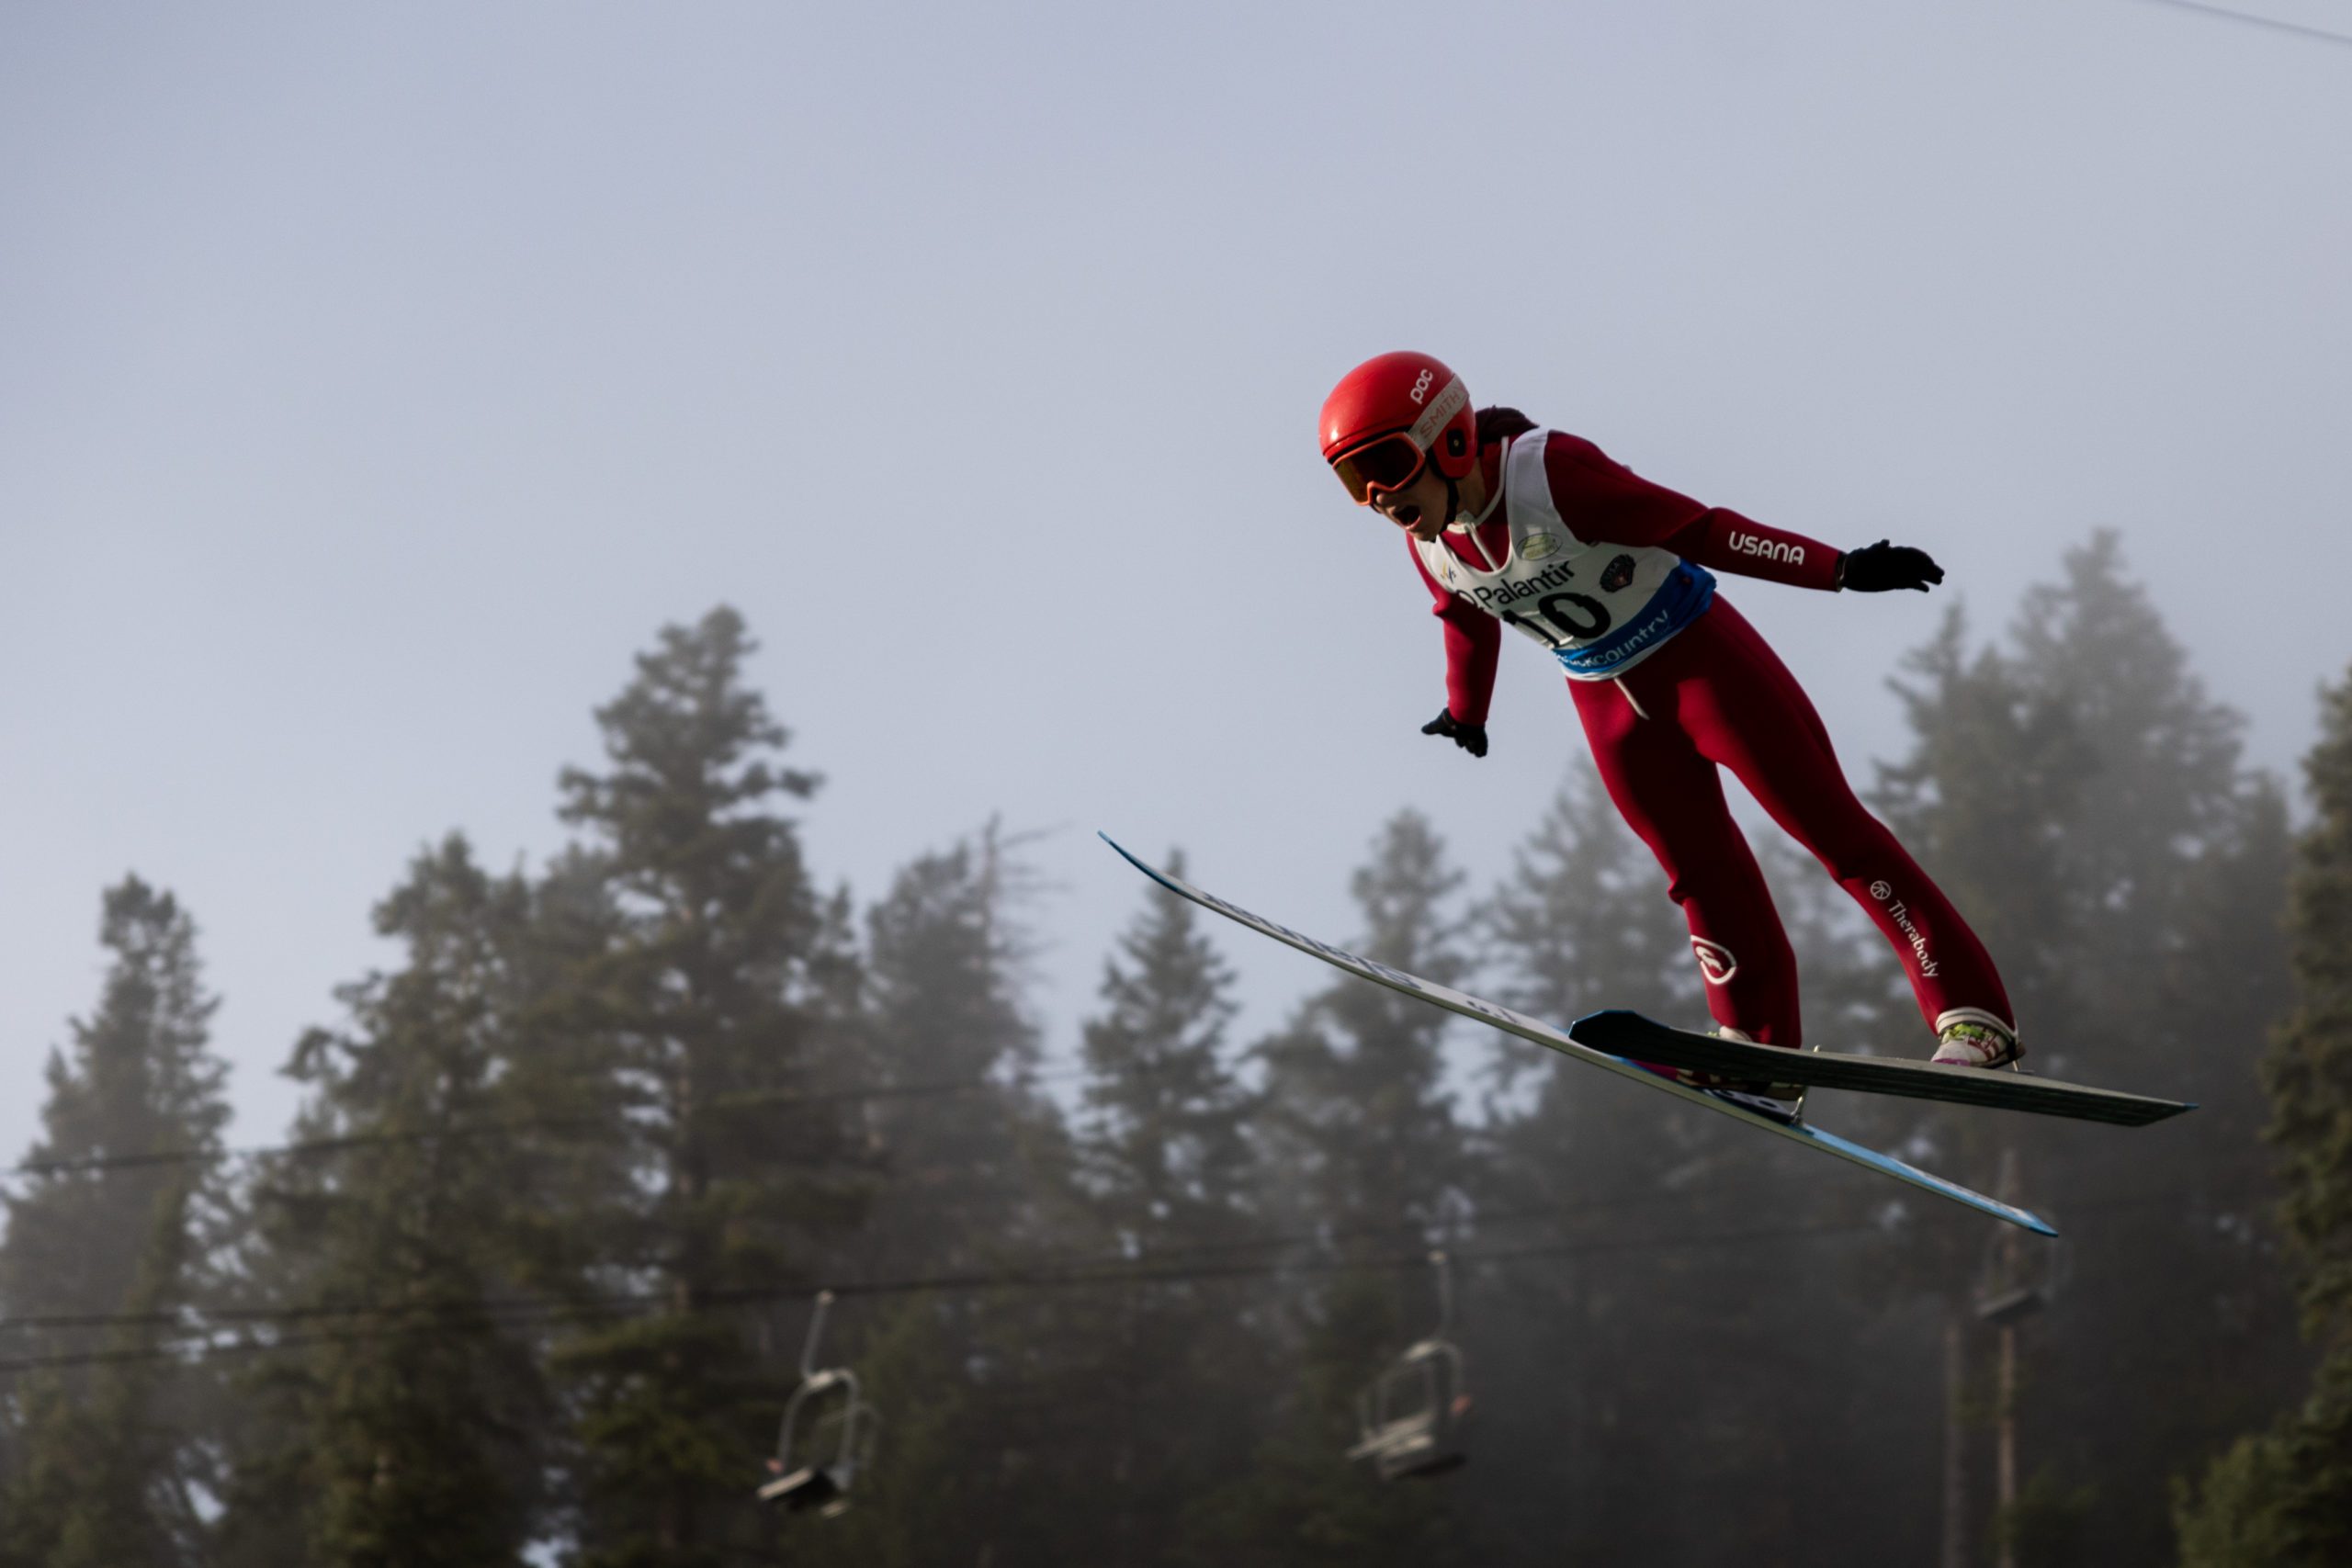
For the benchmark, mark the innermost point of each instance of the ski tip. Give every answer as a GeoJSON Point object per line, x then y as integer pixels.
{"type": "Point", "coordinates": [2036, 1224]}
{"type": "Point", "coordinates": [1129, 856]}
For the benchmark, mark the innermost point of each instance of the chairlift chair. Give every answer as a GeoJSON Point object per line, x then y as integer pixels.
{"type": "Point", "coordinates": [1410, 1418]}
{"type": "Point", "coordinates": [815, 1474]}
{"type": "Point", "coordinates": [2009, 1291]}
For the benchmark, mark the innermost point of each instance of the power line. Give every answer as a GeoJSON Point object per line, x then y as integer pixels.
{"type": "Point", "coordinates": [2252, 19]}
{"type": "Point", "coordinates": [967, 1283]}
{"type": "Point", "coordinates": [1648, 1195]}
{"type": "Point", "coordinates": [195, 1344]}
{"type": "Point", "coordinates": [147, 1159]}
{"type": "Point", "coordinates": [1633, 1199]}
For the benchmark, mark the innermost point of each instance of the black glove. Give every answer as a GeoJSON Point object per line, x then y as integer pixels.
{"type": "Point", "coordinates": [1471, 737]}
{"type": "Point", "coordinates": [1874, 568]}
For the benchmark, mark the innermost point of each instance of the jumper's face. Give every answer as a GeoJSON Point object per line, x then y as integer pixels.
{"type": "Point", "coordinates": [1418, 506]}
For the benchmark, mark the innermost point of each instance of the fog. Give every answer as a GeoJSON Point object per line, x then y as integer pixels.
{"type": "Point", "coordinates": [375, 383]}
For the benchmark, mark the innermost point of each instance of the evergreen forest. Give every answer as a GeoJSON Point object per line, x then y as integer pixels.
{"type": "Point", "coordinates": [531, 1280]}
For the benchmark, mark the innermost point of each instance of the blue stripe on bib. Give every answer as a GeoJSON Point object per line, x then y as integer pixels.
{"type": "Point", "coordinates": [1682, 599]}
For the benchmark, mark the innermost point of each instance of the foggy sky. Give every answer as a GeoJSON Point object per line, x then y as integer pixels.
{"type": "Point", "coordinates": [375, 381]}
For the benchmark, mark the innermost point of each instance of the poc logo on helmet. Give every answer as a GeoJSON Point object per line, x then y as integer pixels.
{"type": "Point", "coordinates": [1422, 386]}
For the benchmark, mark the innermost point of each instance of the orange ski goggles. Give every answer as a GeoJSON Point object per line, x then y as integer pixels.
{"type": "Point", "coordinates": [1386, 462]}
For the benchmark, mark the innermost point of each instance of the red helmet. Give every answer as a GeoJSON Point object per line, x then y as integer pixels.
{"type": "Point", "coordinates": [1390, 416]}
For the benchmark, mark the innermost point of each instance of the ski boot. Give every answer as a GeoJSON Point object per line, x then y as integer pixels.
{"type": "Point", "coordinates": [1971, 1037]}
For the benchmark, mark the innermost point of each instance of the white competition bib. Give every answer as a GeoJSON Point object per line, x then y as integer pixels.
{"type": "Point", "coordinates": [1598, 608]}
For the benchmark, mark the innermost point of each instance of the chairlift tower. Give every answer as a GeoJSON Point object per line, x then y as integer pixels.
{"type": "Point", "coordinates": [2007, 1292]}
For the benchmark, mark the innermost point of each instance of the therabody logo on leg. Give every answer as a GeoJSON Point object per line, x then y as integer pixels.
{"type": "Point", "coordinates": [1716, 965]}
{"type": "Point", "coordinates": [1900, 912]}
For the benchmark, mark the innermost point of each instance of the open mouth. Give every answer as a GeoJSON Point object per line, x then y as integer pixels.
{"type": "Point", "coordinates": [1406, 515]}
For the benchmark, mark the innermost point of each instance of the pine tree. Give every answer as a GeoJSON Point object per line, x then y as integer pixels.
{"type": "Point", "coordinates": [2082, 799]}
{"type": "Point", "coordinates": [710, 1004]}
{"type": "Point", "coordinates": [1356, 1100]}
{"type": "Point", "coordinates": [140, 1079]}
{"type": "Point", "coordinates": [1169, 1369]}
{"type": "Point", "coordinates": [1660, 1351]}
{"type": "Point", "coordinates": [1984, 801]}
{"type": "Point", "coordinates": [947, 1031]}
{"type": "Point", "coordinates": [2309, 1071]}
{"type": "Point", "coordinates": [972, 1173]}
{"type": "Point", "coordinates": [405, 1423]}
{"type": "Point", "coordinates": [1361, 1145]}
{"type": "Point", "coordinates": [2285, 1496]}
{"type": "Point", "coordinates": [1582, 922]}
{"type": "Point", "coordinates": [101, 1486]}
{"type": "Point", "coordinates": [108, 1458]}
{"type": "Point", "coordinates": [1165, 1148]}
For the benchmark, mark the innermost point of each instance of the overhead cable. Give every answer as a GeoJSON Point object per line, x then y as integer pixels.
{"type": "Point", "coordinates": [198, 1343]}
{"type": "Point", "coordinates": [337, 1144]}
{"type": "Point", "coordinates": [2255, 19]}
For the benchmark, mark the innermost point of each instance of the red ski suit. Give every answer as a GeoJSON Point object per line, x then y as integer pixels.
{"type": "Point", "coordinates": [1716, 697]}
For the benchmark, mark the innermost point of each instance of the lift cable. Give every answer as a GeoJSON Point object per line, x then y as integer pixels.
{"type": "Point", "coordinates": [198, 1344]}
{"type": "Point", "coordinates": [151, 1157]}
{"type": "Point", "coordinates": [1075, 1263]}
{"type": "Point", "coordinates": [622, 1304]}
{"type": "Point", "coordinates": [2255, 19]}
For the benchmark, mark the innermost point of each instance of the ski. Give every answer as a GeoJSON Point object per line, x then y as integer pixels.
{"type": "Point", "coordinates": [1622, 1033]}
{"type": "Point", "coordinates": [1544, 1034]}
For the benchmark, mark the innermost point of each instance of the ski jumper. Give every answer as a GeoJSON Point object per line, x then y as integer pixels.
{"type": "Point", "coordinates": [1609, 573]}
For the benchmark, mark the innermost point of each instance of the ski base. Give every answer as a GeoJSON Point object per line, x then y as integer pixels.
{"type": "Point", "coordinates": [1623, 1034]}
{"type": "Point", "coordinates": [1552, 1039]}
